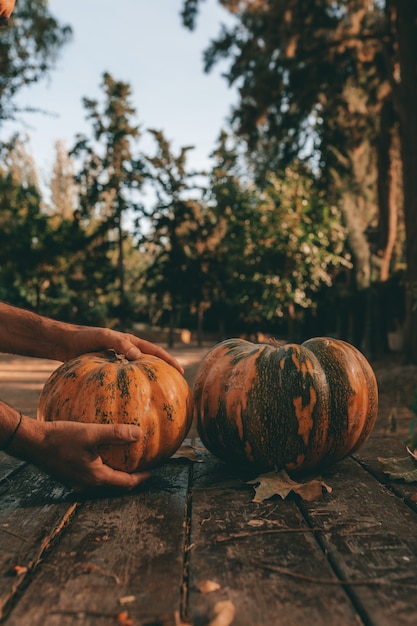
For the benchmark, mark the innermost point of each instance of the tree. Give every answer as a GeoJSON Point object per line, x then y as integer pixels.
{"type": "Point", "coordinates": [64, 191]}
{"type": "Point", "coordinates": [234, 201]}
{"type": "Point", "coordinates": [28, 254]}
{"type": "Point", "coordinates": [402, 55]}
{"type": "Point", "coordinates": [280, 245]}
{"type": "Point", "coordinates": [110, 177]}
{"type": "Point", "coordinates": [28, 50]}
{"type": "Point", "coordinates": [304, 242]}
{"type": "Point", "coordinates": [173, 221]}
{"type": "Point", "coordinates": [314, 80]}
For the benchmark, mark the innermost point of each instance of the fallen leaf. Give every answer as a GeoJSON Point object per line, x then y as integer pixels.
{"type": "Point", "coordinates": [412, 453]}
{"type": "Point", "coordinates": [403, 468]}
{"type": "Point", "coordinates": [126, 599]}
{"type": "Point", "coordinates": [124, 619]}
{"type": "Point", "coordinates": [207, 586]}
{"type": "Point", "coordinates": [256, 522]}
{"type": "Point", "coordinates": [280, 484]}
{"type": "Point", "coordinates": [187, 451]}
{"type": "Point", "coordinates": [223, 613]}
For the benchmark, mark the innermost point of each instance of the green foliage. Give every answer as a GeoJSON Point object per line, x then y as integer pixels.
{"type": "Point", "coordinates": [300, 243]}
{"type": "Point", "coordinates": [109, 177]}
{"type": "Point", "coordinates": [170, 242]}
{"type": "Point", "coordinates": [259, 252]}
{"type": "Point", "coordinates": [28, 50]}
{"type": "Point", "coordinates": [328, 82]}
{"type": "Point", "coordinates": [294, 63]}
{"type": "Point", "coordinates": [257, 239]}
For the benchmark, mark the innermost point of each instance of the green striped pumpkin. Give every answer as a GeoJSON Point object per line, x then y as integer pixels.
{"type": "Point", "coordinates": [293, 407]}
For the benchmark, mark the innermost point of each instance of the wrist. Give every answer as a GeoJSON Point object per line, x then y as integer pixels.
{"type": "Point", "coordinates": [25, 438]}
{"type": "Point", "coordinates": [13, 434]}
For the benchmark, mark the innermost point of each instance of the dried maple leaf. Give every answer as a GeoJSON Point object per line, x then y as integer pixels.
{"type": "Point", "coordinates": [280, 484]}
{"type": "Point", "coordinates": [403, 468]}
{"type": "Point", "coordinates": [187, 451]}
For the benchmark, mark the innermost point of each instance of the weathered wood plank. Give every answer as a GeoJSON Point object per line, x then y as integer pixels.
{"type": "Point", "coordinates": [119, 554]}
{"type": "Point", "coordinates": [8, 465]}
{"type": "Point", "coordinates": [387, 447]}
{"type": "Point", "coordinates": [232, 538]}
{"type": "Point", "coordinates": [370, 535]}
{"type": "Point", "coordinates": [33, 512]}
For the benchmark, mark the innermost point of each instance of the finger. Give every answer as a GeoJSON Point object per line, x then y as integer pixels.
{"type": "Point", "coordinates": [115, 434]}
{"type": "Point", "coordinates": [122, 480]}
{"type": "Point", "coordinates": [6, 8]}
{"type": "Point", "coordinates": [147, 347]}
{"type": "Point", "coordinates": [108, 478]}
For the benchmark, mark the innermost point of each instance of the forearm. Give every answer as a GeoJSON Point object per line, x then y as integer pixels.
{"type": "Point", "coordinates": [28, 334]}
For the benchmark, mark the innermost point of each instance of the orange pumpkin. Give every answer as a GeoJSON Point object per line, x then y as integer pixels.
{"type": "Point", "coordinates": [293, 407]}
{"type": "Point", "coordinates": [106, 388]}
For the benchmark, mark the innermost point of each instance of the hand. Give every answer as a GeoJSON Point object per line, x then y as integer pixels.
{"type": "Point", "coordinates": [68, 452]}
{"type": "Point", "coordinates": [6, 8]}
{"type": "Point", "coordinates": [90, 339]}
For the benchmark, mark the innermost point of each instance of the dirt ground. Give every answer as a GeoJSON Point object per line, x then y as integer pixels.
{"type": "Point", "coordinates": [22, 378]}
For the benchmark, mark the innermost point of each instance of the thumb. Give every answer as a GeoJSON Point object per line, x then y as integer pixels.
{"type": "Point", "coordinates": [117, 433]}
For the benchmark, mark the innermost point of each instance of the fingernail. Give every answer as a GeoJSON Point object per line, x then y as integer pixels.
{"type": "Point", "coordinates": [135, 432]}
{"type": "Point", "coordinates": [133, 353]}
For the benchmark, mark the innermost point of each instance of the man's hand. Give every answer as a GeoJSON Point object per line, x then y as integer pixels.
{"type": "Point", "coordinates": [26, 333]}
{"type": "Point", "coordinates": [6, 8]}
{"type": "Point", "coordinates": [84, 339]}
{"type": "Point", "coordinates": [69, 453]}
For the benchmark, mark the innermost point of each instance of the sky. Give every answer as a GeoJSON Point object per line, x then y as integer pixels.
{"type": "Point", "coordinates": [143, 43]}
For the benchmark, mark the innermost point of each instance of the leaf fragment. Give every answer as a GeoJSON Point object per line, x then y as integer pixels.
{"type": "Point", "coordinates": [412, 453]}
{"type": "Point", "coordinates": [186, 451]}
{"type": "Point", "coordinates": [126, 599]}
{"type": "Point", "coordinates": [123, 619]}
{"type": "Point", "coordinates": [400, 468]}
{"type": "Point", "coordinates": [279, 483]}
{"type": "Point", "coordinates": [207, 586]}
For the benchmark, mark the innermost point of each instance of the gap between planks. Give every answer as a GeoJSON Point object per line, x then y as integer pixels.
{"type": "Point", "coordinates": [22, 578]}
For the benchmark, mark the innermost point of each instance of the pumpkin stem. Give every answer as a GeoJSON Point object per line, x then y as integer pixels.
{"type": "Point", "coordinates": [277, 343]}
{"type": "Point", "coordinates": [109, 352]}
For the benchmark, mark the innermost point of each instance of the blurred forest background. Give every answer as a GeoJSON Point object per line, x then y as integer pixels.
{"type": "Point", "coordinates": [306, 222]}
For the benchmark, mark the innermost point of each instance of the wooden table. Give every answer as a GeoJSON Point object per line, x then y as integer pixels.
{"type": "Point", "coordinates": [145, 559]}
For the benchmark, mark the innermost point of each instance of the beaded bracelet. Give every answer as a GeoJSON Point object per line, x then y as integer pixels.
{"type": "Point", "coordinates": [13, 434]}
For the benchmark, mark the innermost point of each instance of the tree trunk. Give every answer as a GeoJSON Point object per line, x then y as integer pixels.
{"type": "Point", "coordinates": [121, 274]}
{"type": "Point", "coordinates": [388, 156]}
{"type": "Point", "coordinates": [388, 153]}
{"type": "Point", "coordinates": [404, 20]}
{"type": "Point", "coordinates": [200, 317]}
{"type": "Point", "coordinates": [171, 328]}
{"type": "Point", "coordinates": [361, 254]}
